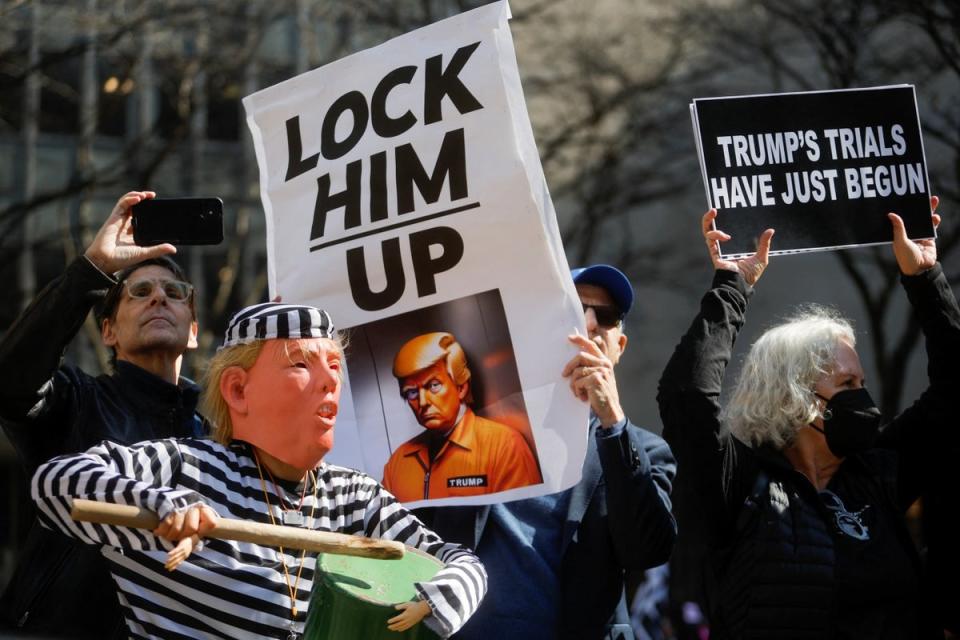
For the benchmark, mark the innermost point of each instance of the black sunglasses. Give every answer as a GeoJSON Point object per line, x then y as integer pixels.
{"type": "Point", "coordinates": [607, 316]}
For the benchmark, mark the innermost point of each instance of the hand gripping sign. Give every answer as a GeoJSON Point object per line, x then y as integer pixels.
{"type": "Point", "coordinates": [403, 192]}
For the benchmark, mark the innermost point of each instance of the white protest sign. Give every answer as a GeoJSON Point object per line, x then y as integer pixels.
{"type": "Point", "coordinates": [404, 194]}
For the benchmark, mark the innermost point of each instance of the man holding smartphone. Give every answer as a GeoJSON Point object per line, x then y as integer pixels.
{"type": "Point", "coordinates": [148, 319]}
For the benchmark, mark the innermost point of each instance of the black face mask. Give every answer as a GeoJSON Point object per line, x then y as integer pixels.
{"type": "Point", "coordinates": [851, 422]}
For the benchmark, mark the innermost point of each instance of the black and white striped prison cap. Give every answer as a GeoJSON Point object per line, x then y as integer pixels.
{"type": "Point", "coordinates": [276, 320]}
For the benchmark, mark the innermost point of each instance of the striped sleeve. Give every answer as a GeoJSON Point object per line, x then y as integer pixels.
{"type": "Point", "coordinates": [138, 475]}
{"type": "Point", "coordinates": [456, 591]}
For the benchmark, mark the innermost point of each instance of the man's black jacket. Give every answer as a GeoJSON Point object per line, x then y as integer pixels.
{"type": "Point", "coordinates": [60, 587]}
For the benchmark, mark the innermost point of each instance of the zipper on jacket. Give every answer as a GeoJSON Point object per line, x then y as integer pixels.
{"type": "Point", "coordinates": [41, 589]}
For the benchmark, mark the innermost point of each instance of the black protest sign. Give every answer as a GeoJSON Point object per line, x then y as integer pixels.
{"type": "Point", "coordinates": [822, 168]}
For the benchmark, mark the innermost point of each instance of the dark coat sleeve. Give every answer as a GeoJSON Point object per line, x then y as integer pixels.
{"type": "Point", "coordinates": [929, 425]}
{"type": "Point", "coordinates": [714, 468]}
{"type": "Point", "coordinates": [638, 471]}
{"type": "Point", "coordinates": [32, 348]}
{"type": "Point", "coordinates": [38, 398]}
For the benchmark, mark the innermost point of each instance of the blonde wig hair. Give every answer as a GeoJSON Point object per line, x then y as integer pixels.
{"type": "Point", "coordinates": [213, 406]}
{"type": "Point", "coordinates": [774, 396]}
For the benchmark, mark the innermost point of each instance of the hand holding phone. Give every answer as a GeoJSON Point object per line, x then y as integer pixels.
{"type": "Point", "coordinates": [113, 248]}
{"type": "Point", "coordinates": [178, 221]}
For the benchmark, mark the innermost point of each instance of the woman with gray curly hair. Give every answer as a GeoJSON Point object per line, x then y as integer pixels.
{"type": "Point", "coordinates": [793, 489]}
{"type": "Point", "coordinates": [775, 391]}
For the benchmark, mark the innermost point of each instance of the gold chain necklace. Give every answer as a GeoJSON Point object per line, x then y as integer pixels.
{"type": "Point", "coordinates": [291, 588]}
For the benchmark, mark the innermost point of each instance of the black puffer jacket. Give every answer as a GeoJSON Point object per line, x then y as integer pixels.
{"type": "Point", "coordinates": [777, 559]}
{"type": "Point", "coordinates": [61, 588]}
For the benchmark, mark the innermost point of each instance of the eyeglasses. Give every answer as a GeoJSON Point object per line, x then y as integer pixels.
{"type": "Point", "coordinates": [172, 289]}
{"type": "Point", "coordinates": [607, 316]}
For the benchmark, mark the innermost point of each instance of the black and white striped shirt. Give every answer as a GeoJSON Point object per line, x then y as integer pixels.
{"type": "Point", "coordinates": [233, 589]}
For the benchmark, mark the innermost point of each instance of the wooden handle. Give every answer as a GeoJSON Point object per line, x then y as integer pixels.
{"type": "Point", "coordinates": [243, 531]}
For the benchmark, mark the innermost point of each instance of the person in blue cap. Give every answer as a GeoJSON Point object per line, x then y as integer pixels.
{"type": "Point", "coordinates": [606, 296]}
{"type": "Point", "coordinates": [556, 563]}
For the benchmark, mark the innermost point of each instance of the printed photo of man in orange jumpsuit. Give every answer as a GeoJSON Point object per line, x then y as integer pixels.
{"type": "Point", "coordinates": [459, 453]}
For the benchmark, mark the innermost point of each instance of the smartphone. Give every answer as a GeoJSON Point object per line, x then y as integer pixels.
{"type": "Point", "coordinates": [178, 221]}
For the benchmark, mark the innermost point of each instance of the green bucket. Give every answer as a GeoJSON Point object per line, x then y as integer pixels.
{"type": "Point", "coordinates": [354, 597]}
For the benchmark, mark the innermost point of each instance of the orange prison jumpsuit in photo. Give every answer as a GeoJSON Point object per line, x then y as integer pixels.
{"type": "Point", "coordinates": [480, 456]}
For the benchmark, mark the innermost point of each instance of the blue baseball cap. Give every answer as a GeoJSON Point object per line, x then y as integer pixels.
{"type": "Point", "coordinates": [610, 279]}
